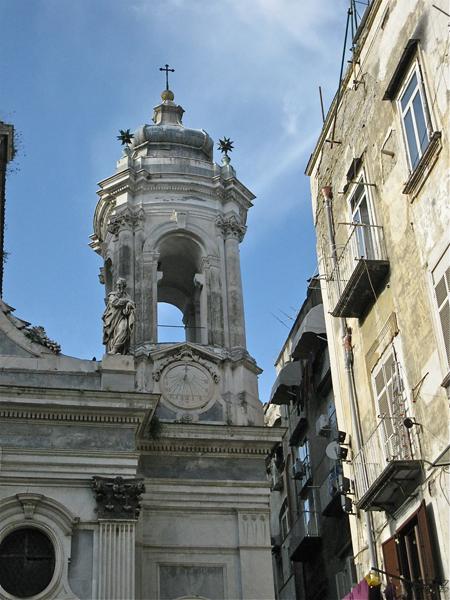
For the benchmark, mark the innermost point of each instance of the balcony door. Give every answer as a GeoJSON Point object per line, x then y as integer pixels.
{"type": "Point", "coordinates": [362, 220]}
{"type": "Point", "coordinates": [409, 559]}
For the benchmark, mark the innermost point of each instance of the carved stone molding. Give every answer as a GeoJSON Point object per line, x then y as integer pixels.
{"type": "Point", "coordinates": [118, 498]}
{"type": "Point", "coordinates": [231, 227]}
{"type": "Point", "coordinates": [200, 446]}
{"type": "Point", "coordinates": [29, 503]}
{"type": "Point", "coordinates": [126, 219]}
{"type": "Point", "coordinates": [80, 417]}
{"type": "Point", "coordinates": [187, 355]}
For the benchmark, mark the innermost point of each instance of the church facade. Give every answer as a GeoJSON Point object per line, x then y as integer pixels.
{"type": "Point", "coordinates": [143, 475]}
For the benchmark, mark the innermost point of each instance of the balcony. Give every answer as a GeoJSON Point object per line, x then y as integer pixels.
{"type": "Point", "coordinates": [354, 284]}
{"type": "Point", "coordinates": [304, 537]}
{"type": "Point", "coordinates": [310, 335]}
{"type": "Point", "coordinates": [286, 384]}
{"type": "Point", "coordinates": [386, 471]}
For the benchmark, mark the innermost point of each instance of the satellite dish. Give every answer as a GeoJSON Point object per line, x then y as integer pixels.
{"type": "Point", "coordinates": [333, 450]}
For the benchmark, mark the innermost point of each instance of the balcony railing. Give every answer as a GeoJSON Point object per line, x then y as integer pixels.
{"type": "Point", "coordinates": [360, 273]}
{"type": "Point", "coordinates": [305, 537]}
{"type": "Point", "coordinates": [386, 469]}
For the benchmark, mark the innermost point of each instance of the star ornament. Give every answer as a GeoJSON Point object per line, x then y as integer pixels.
{"type": "Point", "coordinates": [225, 145]}
{"type": "Point", "coordinates": [125, 136]}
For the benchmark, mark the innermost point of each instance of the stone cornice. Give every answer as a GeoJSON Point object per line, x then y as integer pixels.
{"type": "Point", "coordinates": [30, 413]}
{"type": "Point", "coordinates": [212, 439]}
{"type": "Point", "coordinates": [88, 406]}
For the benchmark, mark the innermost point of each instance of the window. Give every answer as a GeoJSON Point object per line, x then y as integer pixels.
{"type": "Point", "coordinates": [27, 562]}
{"type": "Point", "coordinates": [409, 554]}
{"type": "Point", "coordinates": [362, 220]}
{"type": "Point", "coordinates": [414, 116]}
{"type": "Point", "coordinates": [284, 520]}
{"type": "Point", "coordinates": [302, 466]}
{"type": "Point", "coordinates": [390, 398]}
{"type": "Point", "coordinates": [441, 284]}
{"type": "Point", "coordinates": [303, 452]}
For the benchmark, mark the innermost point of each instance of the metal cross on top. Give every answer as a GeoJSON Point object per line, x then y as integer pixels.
{"type": "Point", "coordinates": [166, 69]}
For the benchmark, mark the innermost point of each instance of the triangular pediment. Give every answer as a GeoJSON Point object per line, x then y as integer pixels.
{"type": "Point", "coordinates": [204, 352]}
{"type": "Point", "coordinates": [186, 351]}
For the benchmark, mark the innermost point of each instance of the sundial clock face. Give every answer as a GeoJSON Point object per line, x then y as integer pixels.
{"type": "Point", "coordinates": [187, 385]}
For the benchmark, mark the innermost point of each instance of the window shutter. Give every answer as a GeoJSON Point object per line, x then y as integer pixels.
{"type": "Point", "coordinates": [425, 544]}
{"type": "Point", "coordinates": [442, 290]}
{"type": "Point", "coordinates": [392, 564]}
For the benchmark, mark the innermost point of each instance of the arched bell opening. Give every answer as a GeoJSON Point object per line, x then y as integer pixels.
{"type": "Point", "coordinates": [180, 283]}
{"type": "Point", "coordinates": [170, 323]}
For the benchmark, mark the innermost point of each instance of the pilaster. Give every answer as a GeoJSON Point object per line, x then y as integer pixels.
{"type": "Point", "coordinates": [233, 232]}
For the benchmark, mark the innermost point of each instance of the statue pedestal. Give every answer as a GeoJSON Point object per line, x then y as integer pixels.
{"type": "Point", "coordinates": [118, 373]}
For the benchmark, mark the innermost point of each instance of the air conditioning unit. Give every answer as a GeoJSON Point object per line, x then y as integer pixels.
{"type": "Point", "coordinates": [323, 426]}
{"type": "Point", "coordinates": [298, 469]}
{"type": "Point", "coordinates": [344, 485]}
{"type": "Point", "coordinates": [347, 505]}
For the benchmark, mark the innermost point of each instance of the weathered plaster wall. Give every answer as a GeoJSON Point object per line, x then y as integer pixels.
{"type": "Point", "coordinates": [415, 227]}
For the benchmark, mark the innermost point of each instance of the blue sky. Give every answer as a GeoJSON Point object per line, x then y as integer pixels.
{"type": "Point", "coordinates": [73, 72]}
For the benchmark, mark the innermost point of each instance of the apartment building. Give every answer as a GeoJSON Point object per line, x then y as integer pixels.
{"type": "Point", "coordinates": [379, 178]}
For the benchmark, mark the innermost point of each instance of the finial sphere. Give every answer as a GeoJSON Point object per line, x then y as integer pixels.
{"type": "Point", "coordinates": [167, 95]}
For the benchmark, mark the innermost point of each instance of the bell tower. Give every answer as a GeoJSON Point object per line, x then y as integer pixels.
{"type": "Point", "coordinates": [168, 226]}
{"type": "Point", "coordinates": [170, 221]}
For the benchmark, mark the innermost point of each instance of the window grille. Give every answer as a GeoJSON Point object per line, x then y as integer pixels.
{"type": "Point", "coordinates": [27, 562]}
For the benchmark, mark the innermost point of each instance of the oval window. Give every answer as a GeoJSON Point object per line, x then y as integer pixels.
{"type": "Point", "coordinates": [27, 562]}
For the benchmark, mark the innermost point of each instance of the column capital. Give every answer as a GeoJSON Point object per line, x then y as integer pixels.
{"type": "Point", "coordinates": [231, 227]}
{"type": "Point", "coordinates": [118, 498]}
{"type": "Point", "coordinates": [127, 219]}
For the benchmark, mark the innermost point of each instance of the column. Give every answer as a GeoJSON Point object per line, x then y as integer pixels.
{"type": "Point", "coordinates": [116, 560]}
{"type": "Point", "coordinates": [118, 509]}
{"type": "Point", "coordinates": [234, 234]}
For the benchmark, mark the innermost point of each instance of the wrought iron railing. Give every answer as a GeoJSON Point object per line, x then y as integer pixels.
{"type": "Point", "coordinates": [386, 443]}
{"type": "Point", "coordinates": [365, 242]}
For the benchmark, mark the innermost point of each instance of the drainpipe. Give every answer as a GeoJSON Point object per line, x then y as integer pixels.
{"type": "Point", "coordinates": [346, 334]}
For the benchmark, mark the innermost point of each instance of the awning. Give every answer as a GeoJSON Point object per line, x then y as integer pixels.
{"type": "Point", "coordinates": [306, 340]}
{"type": "Point", "coordinates": [289, 376]}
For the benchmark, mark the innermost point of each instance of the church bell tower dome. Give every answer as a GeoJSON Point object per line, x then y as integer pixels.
{"type": "Point", "coordinates": [167, 136]}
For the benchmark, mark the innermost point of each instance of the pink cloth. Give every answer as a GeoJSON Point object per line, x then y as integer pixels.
{"type": "Point", "coordinates": [359, 592]}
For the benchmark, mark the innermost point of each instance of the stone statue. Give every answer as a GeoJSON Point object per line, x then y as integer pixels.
{"type": "Point", "coordinates": [118, 320]}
